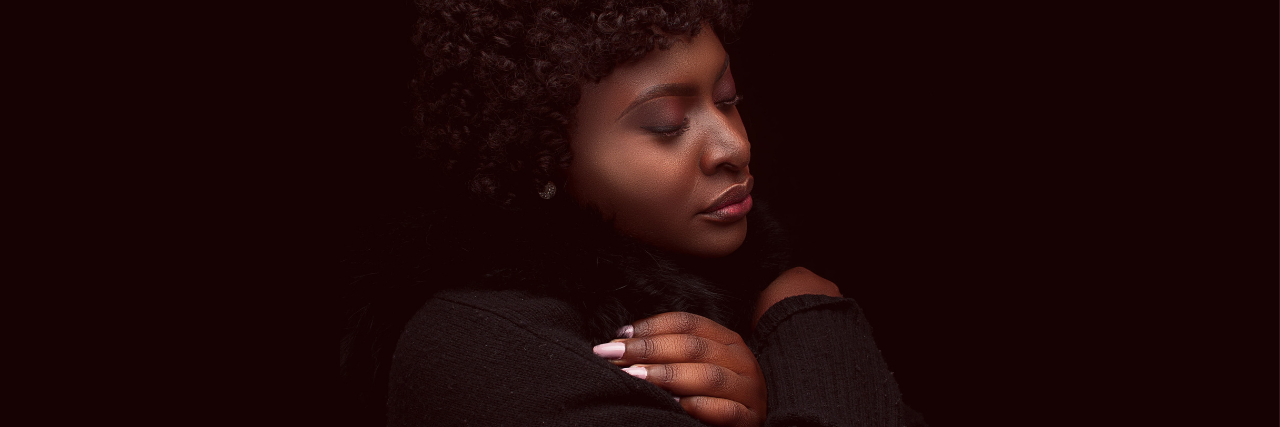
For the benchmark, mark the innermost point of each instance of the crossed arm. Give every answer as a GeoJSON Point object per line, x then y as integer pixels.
{"type": "Point", "coordinates": [706, 366]}
{"type": "Point", "coordinates": [487, 358]}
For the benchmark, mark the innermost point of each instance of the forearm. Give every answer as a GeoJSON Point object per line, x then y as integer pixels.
{"type": "Point", "coordinates": [822, 365]}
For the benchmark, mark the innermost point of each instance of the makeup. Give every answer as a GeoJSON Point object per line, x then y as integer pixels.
{"type": "Point", "coordinates": [733, 204]}
{"type": "Point", "coordinates": [660, 151]}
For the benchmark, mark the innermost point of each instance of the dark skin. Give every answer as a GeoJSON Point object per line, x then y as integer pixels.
{"type": "Point", "coordinates": [659, 141]}
{"type": "Point", "coordinates": [710, 365]}
{"type": "Point", "coordinates": [658, 145]}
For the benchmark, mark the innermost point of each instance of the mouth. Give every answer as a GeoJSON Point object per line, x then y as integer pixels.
{"type": "Point", "coordinates": [733, 204]}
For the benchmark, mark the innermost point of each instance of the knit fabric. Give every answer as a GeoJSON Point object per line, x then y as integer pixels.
{"type": "Point", "coordinates": [822, 366]}
{"type": "Point", "coordinates": [509, 357]}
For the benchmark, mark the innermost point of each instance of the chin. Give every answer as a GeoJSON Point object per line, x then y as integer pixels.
{"type": "Point", "coordinates": [718, 243]}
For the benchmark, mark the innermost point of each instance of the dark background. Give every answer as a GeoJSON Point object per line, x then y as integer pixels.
{"type": "Point", "coordinates": [1051, 214]}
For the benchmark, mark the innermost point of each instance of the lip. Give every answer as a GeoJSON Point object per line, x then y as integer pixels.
{"type": "Point", "coordinates": [733, 204]}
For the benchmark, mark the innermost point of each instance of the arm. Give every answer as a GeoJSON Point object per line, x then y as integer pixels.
{"type": "Point", "coordinates": [462, 362]}
{"type": "Point", "coordinates": [819, 359]}
{"type": "Point", "coordinates": [516, 361]}
{"type": "Point", "coordinates": [812, 346]}
{"type": "Point", "coordinates": [796, 281]}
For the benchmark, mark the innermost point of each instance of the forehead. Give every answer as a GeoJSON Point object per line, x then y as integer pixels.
{"type": "Point", "coordinates": [696, 61]}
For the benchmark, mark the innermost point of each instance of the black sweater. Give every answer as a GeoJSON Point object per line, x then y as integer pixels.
{"type": "Point", "coordinates": [511, 344]}
{"type": "Point", "coordinates": [482, 357]}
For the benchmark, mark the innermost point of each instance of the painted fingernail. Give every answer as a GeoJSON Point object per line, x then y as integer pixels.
{"type": "Point", "coordinates": [612, 350]}
{"type": "Point", "coordinates": [677, 398]}
{"type": "Point", "coordinates": [637, 371]}
{"type": "Point", "coordinates": [626, 331]}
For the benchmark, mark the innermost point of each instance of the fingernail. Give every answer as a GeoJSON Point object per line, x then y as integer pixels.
{"type": "Point", "coordinates": [637, 371]}
{"type": "Point", "coordinates": [612, 350]}
{"type": "Point", "coordinates": [677, 398]}
{"type": "Point", "coordinates": [626, 331]}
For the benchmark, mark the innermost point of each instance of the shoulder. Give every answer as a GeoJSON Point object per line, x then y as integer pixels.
{"type": "Point", "coordinates": [487, 357]}
{"type": "Point", "coordinates": [462, 317]}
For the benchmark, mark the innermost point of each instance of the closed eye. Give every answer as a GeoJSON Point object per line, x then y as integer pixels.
{"type": "Point", "coordinates": [730, 102]}
{"type": "Point", "coordinates": [669, 131]}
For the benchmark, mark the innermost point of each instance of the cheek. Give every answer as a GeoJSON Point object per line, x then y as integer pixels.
{"type": "Point", "coordinates": [654, 191]}
{"type": "Point", "coordinates": [644, 192]}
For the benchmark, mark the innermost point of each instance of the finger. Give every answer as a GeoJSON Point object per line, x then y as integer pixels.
{"type": "Point", "coordinates": [679, 322]}
{"type": "Point", "coordinates": [720, 412]}
{"type": "Point", "coordinates": [670, 349]}
{"type": "Point", "coordinates": [695, 379]}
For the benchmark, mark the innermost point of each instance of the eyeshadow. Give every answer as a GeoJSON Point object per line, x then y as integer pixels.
{"type": "Point", "coordinates": [726, 89]}
{"type": "Point", "coordinates": [667, 111]}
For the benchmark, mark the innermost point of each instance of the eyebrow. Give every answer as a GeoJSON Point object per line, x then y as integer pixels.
{"type": "Point", "coordinates": [670, 89]}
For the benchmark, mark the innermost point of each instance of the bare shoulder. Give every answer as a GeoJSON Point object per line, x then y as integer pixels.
{"type": "Point", "coordinates": [795, 281]}
{"type": "Point", "coordinates": [802, 281]}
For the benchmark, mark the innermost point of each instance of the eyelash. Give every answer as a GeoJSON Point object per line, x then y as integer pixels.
{"type": "Point", "coordinates": [737, 99]}
{"type": "Point", "coordinates": [674, 131]}
{"type": "Point", "coordinates": [670, 131]}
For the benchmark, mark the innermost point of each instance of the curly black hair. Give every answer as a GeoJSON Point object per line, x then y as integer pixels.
{"type": "Point", "coordinates": [498, 79]}
{"type": "Point", "coordinates": [493, 101]}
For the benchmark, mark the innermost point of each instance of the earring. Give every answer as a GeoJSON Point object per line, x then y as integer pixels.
{"type": "Point", "coordinates": [548, 191]}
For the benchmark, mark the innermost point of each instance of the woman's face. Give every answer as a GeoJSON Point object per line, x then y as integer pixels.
{"type": "Point", "coordinates": [660, 150]}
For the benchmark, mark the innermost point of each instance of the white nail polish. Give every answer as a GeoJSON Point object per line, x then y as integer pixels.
{"type": "Point", "coordinates": [637, 371]}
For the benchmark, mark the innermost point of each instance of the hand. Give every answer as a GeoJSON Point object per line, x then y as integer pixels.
{"type": "Point", "coordinates": [795, 281]}
{"type": "Point", "coordinates": [709, 367]}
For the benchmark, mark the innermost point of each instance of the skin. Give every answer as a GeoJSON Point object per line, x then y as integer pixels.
{"type": "Point", "coordinates": [653, 165]}
{"type": "Point", "coordinates": [795, 281]}
{"type": "Point", "coordinates": [708, 364]}
{"type": "Point", "coordinates": [653, 169]}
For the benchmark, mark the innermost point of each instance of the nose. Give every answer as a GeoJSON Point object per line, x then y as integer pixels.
{"type": "Point", "coordinates": [726, 147]}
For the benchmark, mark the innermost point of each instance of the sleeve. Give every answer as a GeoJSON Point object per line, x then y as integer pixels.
{"type": "Point", "coordinates": [465, 363]}
{"type": "Point", "coordinates": [460, 364]}
{"type": "Point", "coordinates": [823, 368]}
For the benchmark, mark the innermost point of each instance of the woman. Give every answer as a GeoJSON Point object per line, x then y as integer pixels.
{"type": "Point", "coordinates": [607, 263]}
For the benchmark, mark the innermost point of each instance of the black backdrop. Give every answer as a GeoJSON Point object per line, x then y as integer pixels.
{"type": "Point", "coordinates": [1050, 213]}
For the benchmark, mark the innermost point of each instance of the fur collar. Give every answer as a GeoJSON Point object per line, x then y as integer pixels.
{"type": "Point", "coordinates": [569, 254]}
